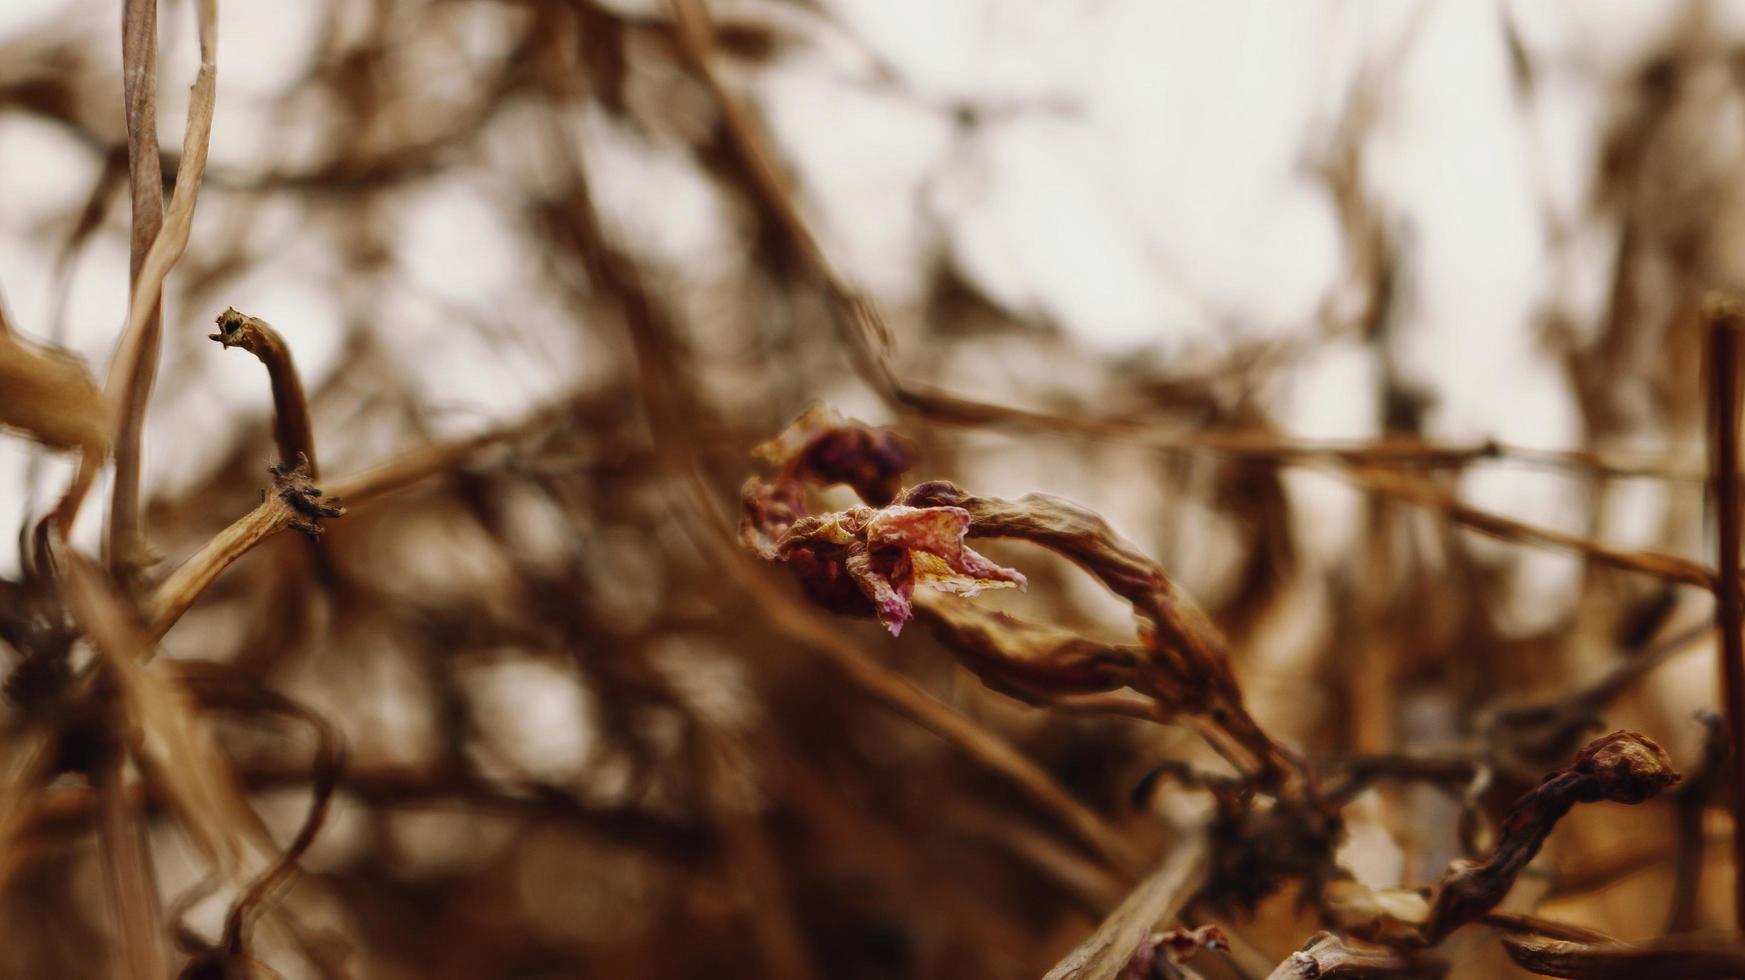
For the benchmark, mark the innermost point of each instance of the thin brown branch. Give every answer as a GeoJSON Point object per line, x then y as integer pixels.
{"type": "Point", "coordinates": [295, 502]}
{"type": "Point", "coordinates": [1725, 320]}
{"type": "Point", "coordinates": [1329, 957]}
{"type": "Point", "coordinates": [1623, 767]}
{"type": "Point", "coordinates": [1691, 957]}
{"type": "Point", "coordinates": [1424, 493]}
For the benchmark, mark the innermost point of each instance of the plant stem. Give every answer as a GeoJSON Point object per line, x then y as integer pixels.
{"type": "Point", "coordinates": [1725, 320]}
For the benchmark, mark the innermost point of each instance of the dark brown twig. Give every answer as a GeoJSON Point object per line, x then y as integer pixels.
{"type": "Point", "coordinates": [291, 427]}
{"type": "Point", "coordinates": [1623, 767]}
{"type": "Point", "coordinates": [1725, 320]}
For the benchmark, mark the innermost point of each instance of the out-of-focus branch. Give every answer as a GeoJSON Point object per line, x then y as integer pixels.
{"type": "Point", "coordinates": [1586, 955]}
{"type": "Point", "coordinates": [1424, 493]}
{"type": "Point", "coordinates": [127, 869]}
{"type": "Point", "coordinates": [166, 249]}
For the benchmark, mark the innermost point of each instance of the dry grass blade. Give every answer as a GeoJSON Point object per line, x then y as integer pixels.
{"type": "Point", "coordinates": [166, 250]}
{"type": "Point", "coordinates": [1157, 900]}
{"type": "Point", "coordinates": [176, 746]}
{"type": "Point", "coordinates": [127, 867]}
{"type": "Point", "coordinates": [50, 396]}
{"type": "Point", "coordinates": [123, 544]}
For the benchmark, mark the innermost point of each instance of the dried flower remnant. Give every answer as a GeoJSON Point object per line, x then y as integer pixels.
{"type": "Point", "coordinates": [866, 560]}
{"type": "Point", "coordinates": [291, 427]}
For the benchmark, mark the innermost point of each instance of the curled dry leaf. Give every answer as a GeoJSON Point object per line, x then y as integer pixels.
{"type": "Point", "coordinates": [1623, 767]}
{"type": "Point", "coordinates": [49, 395]}
{"type": "Point", "coordinates": [1025, 660]}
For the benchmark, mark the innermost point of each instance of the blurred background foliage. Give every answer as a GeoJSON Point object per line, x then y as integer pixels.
{"type": "Point", "coordinates": [1233, 241]}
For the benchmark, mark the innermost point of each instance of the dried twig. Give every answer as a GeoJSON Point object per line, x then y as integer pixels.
{"type": "Point", "coordinates": [166, 249]}
{"type": "Point", "coordinates": [291, 427]}
{"type": "Point", "coordinates": [1608, 959]}
{"type": "Point", "coordinates": [1726, 319]}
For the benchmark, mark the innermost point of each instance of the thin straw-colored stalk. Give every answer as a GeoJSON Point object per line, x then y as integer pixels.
{"type": "Point", "coordinates": [166, 250]}
{"type": "Point", "coordinates": [123, 544]}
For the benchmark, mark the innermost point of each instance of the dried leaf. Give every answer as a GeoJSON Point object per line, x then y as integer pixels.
{"type": "Point", "coordinates": [49, 395]}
